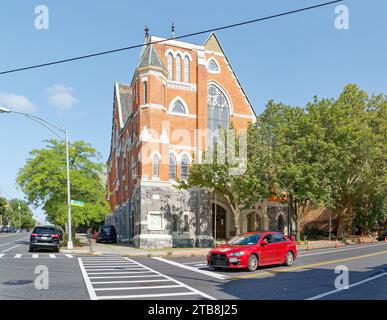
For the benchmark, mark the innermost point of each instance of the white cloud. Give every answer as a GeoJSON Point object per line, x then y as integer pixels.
{"type": "Point", "coordinates": [61, 97]}
{"type": "Point", "coordinates": [16, 102]}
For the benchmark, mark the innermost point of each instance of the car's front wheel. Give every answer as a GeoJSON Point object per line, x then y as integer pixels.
{"type": "Point", "coordinates": [289, 259]}
{"type": "Point", "coordinates": [252, 264]}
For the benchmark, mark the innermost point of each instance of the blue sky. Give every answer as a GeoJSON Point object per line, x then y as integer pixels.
{"type": "Point", "coordinates": [289, 59]}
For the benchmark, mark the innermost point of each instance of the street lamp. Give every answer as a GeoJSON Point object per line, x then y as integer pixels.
{"type": "Point", "coordinates": [48, 125]}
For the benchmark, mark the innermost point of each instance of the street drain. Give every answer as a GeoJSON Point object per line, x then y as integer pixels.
{"type": "Point", "coordinates": [17, 282]}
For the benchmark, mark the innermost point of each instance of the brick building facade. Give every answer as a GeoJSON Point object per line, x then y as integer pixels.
{"type": "Point", "coordinates": [178, 90]}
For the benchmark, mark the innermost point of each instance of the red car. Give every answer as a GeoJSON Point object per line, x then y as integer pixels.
{"type": "Point", "coordinates": [253, 249]}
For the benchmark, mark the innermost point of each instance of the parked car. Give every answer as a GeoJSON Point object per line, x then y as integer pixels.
{"type": "Point", "coordinates": [4, 230]}
{"type": "Point", "coordinates": [44, 237]}
{"type": "Point", "coordinates": [107, 234]}
{"type": "Point", "coordinates": [252, 250]}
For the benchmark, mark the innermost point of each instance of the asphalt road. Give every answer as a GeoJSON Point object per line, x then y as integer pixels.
{"type": "Point", "coordinates": [114, 277]}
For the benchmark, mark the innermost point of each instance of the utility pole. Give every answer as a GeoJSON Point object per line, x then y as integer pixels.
{"type": "Point", "coordinates": [19, 207]}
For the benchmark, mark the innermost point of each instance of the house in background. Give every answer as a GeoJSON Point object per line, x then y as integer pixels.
{"type": "Point", "coordinates": [178, 90]}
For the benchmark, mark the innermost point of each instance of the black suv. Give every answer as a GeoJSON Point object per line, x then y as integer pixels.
{"type": "Point", "coordinates": [46, 237]}
{"type": "Point", "coordinates": [107, 233]}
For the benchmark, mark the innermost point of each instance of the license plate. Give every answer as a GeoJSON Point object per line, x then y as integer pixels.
{"type": "Point", "coordinates": [233, 259]}
{"type": "Point", "coordinates": [44, 238]}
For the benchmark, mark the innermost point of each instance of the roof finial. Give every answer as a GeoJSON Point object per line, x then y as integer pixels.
{"type": "Point", "coordinates": [173, 30]}
{"type": "Point", "coordinates": [146, 29]}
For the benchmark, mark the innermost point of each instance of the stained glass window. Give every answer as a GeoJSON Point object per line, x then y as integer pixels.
{"type": "Point", "coordinates": [213, 66]}
{"type": "Point", "coordinates": [218, 109]}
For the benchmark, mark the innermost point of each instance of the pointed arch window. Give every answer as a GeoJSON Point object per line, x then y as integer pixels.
{"type": "Point", "coordinates": [178, 68]}
{"type": "Point", "coordinates": [184, 167]}
{"type": "Point", "coordinates": [186, 69]}
{"type": "Point", "coordinates": [170, 66]}
{"type": "Point", "coordinates": [213, 66]}
{"type": "Point", "coordinates": [172, 167]}
{"type": "Point", "coordinates": [155, 166]}
{"type": "Point", "coordinates": [218, 109]}
{"type": "Point", "coordinates": [178, 107]}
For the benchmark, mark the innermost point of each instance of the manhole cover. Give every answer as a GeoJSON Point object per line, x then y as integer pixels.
{"type": "Point", "coordinates": [17, 282]}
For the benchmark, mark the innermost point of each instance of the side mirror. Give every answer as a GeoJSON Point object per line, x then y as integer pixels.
{"type": "Point", "coordinates": [264, 242]}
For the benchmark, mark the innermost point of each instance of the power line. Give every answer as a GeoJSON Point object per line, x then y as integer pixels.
{"type": "Point", "coordinates": [164, 40]}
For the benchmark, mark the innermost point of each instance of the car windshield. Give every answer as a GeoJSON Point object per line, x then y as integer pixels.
{"type": "Point", "coordinates": [44, 231]}
{"type": "Point", "coordinates": [247, 239]}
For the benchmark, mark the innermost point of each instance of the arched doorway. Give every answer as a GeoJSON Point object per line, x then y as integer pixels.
{"type": "Point", "coordinates": [281, 223]}
{"type": "Point", "coordinates": [219, 226]}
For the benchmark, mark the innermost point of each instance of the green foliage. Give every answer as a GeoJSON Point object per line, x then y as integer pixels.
{"type": "Point", "coordinates": [218, 173]}
{"type": "Point", "coordinates": [43, 180]}
{"type": "Point", "coordinates": [16, 213]}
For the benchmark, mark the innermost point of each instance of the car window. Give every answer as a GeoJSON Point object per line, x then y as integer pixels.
{"type": "Point", "coordinates": [277, 238]}
{"type": "Point", "coordinates": [249, 240]}
{"type": "Point", "coordinates": [44, 231]}
{"type": "Point", "coordinates": [269, 238]}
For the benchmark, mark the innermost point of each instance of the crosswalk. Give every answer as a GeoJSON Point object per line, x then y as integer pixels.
{"type": "Point", "coordinates": [116, 278]}
{"type": "Point", "coordinates": [35, 256]}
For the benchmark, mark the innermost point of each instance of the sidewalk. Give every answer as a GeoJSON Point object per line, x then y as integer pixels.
{"type": "Point", "coordinates": [127, 250]}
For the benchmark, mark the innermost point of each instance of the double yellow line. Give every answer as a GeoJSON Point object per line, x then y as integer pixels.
{"type": "Point", "coordinates": [307, 266]}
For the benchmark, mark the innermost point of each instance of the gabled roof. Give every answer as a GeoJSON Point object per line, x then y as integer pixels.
{"type": "Point", "coordinates": [150, 58]}
{"type": "Point", "coordinates": [213, 44]}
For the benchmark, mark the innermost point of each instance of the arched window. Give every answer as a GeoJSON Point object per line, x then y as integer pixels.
{"type": "Point", "coordinates": [178, 68]}
{"type": "Point", "coordinates": [213, 66]}
{"type": "Point", "coordinates": [170, 66]}
{"type": "Point", "coordinates": [186, 69]}
{"type": "Point", "coordinates": [172, 167]}
{"type": "Point", "coordinates": [145, 86]}
{"type": "Point", "coordinates": [155, 165]}
{"type": "Point", "coordinates": [184, 167]}
{"type": "Point", "coordinates": [218, 109]}
{"type": "Point", "coordinates": [178, 107]}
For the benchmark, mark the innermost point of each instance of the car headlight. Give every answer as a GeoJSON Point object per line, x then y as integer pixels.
{"type": "Point", "coordinates": [237, 254]}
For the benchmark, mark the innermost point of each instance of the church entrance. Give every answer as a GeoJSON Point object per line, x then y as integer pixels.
{"type": "Point", "coordinates": [218, 223]}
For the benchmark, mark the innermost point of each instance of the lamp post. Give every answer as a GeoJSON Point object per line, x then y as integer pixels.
{"type": "Point", "coordinates": [50, 127]}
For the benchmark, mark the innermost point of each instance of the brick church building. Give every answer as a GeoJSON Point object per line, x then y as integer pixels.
{"type": "Point", "coordinates": [177, 91]}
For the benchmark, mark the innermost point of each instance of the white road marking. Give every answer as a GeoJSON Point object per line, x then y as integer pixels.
{"type": "Point", "coordinates": [174, 280]}
{"type": "Point", "coordinates": [340, 250]}
{"type": "Point", "coordinates": [148, 296]}
{"type": "Point", "coordinates": [35, 256]}
{"type": "Point", "coordinates": [52, 256]}
{"type": "Point", "coordinates": [113, 269]}
{"type": "Point", "coordinates": [9, 249]}
{"type": "Point", "coordinates": [130, 281]}
{"type": "Point", "coordinates": [89, 286]}
{"type": "Point", "coordinates": [4, 244]}
{"type": "Point", "coordinates": [127, 272]}
{"type": "Point", "coordinates": [127, 277]}
{"type": "Point", "coordinates": [139, 288]}
{"type": "Point", "coordinates": [69, 256]}
{"type": "Point", "coordinates": [18, 256]}
{"type": "Point", "coordinates": [207, 273]}
{"type": "Point", "coordinates": [1, 255]}
{"type": "Point", "coordinates": [349, 287]}
{"type": "Point", "coordinates": [130, 272]}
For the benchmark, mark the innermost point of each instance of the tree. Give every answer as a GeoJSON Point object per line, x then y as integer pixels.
{"type": "Point", "coordinates": [43, 180]}
{"type": "Point", "coordinates": [296, 143]}
{"type": "Point", "coordinates": [21, 215]}
{"type": "Point", "coordinates": [218, 174]}
{"type": "Point", "coordinates": [3, 211]}
{"type": "Point", "coordinates": [355, 160]}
